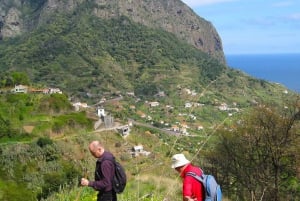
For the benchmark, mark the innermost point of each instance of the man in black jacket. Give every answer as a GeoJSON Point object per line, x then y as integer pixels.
{"type": "Point", "coordinates": [104, 173]}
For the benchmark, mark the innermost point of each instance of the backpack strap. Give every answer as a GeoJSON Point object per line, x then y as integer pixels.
{"type": "Point", "coordinates": [197, 177]}
{"type": "Point", "coordinates": [200, 178]}
{"type": "Point", "coordinates": [113, 160]}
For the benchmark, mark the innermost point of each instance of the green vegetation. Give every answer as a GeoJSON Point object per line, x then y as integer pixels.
{"type": "Point", "coordinates": [43, 140]}
{"type": "Point", "coordinates": [48, 161]}
{"type": "Point", "coordinates": [10, 79]}
{"type": "Point", "coordinates": [33, 164]}
{"type": "Point", "coordinates": [82, 54]}
{"type": "Point", "coordinates": [21, 111]}
{"type": "Point", "coordinates": [258, 156]}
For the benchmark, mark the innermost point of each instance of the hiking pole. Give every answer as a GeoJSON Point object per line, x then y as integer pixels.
{"type": "Point", "coordinates": [79, 192]}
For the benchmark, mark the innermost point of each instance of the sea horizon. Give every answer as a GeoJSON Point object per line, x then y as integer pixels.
{"type": "Point", "coordinates": [263, 53]}
{"type": "Point", "coordinates": [283, 68]}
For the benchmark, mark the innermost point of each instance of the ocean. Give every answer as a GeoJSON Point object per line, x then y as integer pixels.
{"type": "Point", "coordinates": [279, 68]}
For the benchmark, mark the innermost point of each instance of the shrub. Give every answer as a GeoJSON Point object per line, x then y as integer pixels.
{"type": "Point", "coordinates": [43, 141]}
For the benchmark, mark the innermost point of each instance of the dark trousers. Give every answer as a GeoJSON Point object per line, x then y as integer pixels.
{"type": "Point", "coordinates": [107, 196]}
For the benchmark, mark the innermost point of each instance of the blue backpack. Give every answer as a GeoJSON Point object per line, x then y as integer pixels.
{"type": "Point", "coordinates": [212, 188]}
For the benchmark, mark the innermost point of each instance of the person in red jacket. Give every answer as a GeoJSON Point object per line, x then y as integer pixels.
{"type": "Point", "coordinates": [192, 190]}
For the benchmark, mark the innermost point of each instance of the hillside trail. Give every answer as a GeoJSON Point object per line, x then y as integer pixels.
{"type": "Point", "coordinates": [201, 145]}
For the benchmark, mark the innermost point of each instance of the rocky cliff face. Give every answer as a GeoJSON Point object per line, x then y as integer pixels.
{"type": "Point", "coordinates": [19, 16]}
{"type": "Point", "coordinates": [11, 23]}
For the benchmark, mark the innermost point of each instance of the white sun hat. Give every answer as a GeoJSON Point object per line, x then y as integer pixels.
{"type": "Point", "coordinates": [179, 160]}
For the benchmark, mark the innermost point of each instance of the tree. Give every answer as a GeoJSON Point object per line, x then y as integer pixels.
{"type": "Point", "coordinates": [20, 78]}
{"type": "Point", "coordinates": [4, 127]}
{"type": "Point", "coordinates": [13, 78]}
{"type": "Point", "coordinates": [259, 154]}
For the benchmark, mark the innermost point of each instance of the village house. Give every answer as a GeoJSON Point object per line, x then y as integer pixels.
{"type": "Point", "coordinates": [187, 91]}
{"type": "Point", "coordinates": [200, 127]}
{"type": "Point", "coordinates": [130, 94]}
{"type": "Point", "coordinates": [108, 121]}
{"type": "Point", "coordinates": [153, 104]}
{"type": "Point", "coordinates": [25, 89]}
{"type": "Point", "coordinates": [198, 104]}
{"type": "Point", "coordinates": [194, 93]}
{"type": "Point", "coordinates": [183, 128]}
{"type": "Point", "coordinates": [193, 117]}
{"type": "Point", "coordinates": [20, 89]}
{"type": "Point", "coordinates": [139, 150]}
{"type": "Point", "coordinates": [141, 114]}
{"type": "Point", "coordinates": [124, 130]}
{"type": "Point", "coordinates": [54, 91]}
{"type": "Point", "coordinates": [183, 131]}
{"type": "Point", "coordinates": [169, 107]}
{"type": "Point", "coordinates": [79, 105]}
{"type": "Point", "coordinates": [101, 112]}
{"type": "Point", "coordinates": [102, 100]}
{"type": "Point", "coordinates": [175, 128]}
{"type": "Point", "coordinates": [132, 107]}
{"type": "Point", "coordinates": [188, 105]}
{"type": "Point", "coordinates": [223, 107]}
{"type": "Point", "coordinates": [130, 123]}
{"type": "Point", "coordinates": [38, 91]}
{"type": "Point", "coordinates": [160, 94]}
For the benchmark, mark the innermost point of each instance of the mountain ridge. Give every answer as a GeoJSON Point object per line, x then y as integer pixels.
{"type": "Point", "coordinates": [88, 57]}
{"type": "Point", "coordinates": [81, 53]}
{"type": "Point", "coordinates": [173, 16]}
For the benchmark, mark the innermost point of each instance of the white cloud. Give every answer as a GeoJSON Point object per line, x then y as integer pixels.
{"type": "Point", "coordinates": [295, 16]}
{"type": "Point", "coordinates": [193, 3]}
{"type": "Point", "coordinates": [283, 4]}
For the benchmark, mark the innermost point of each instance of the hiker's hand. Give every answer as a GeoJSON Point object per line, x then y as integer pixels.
{"type": "Point", "coordinates": [188, 198]}
{"type": "Point", "coordinates": [84, 182]}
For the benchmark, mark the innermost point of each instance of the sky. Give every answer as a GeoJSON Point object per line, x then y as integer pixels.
{"type": "Point", "coordinates": [253, 26]}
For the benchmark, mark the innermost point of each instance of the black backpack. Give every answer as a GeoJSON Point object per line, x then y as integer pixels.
{"type": "Point", "coordinates": [120, 178]}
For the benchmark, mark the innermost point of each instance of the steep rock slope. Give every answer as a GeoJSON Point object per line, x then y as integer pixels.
{"type": "Point", "coordinates": [20, 16]}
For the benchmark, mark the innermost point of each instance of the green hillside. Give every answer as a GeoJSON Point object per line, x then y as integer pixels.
{"type": "Point", "coordinates": [88, 57]}
{"type": "Point", "coordinates": [82, 54]}
{"type": "Point", "coordinates": [125, 67]}
{"type": "Point", "coordinates": [44, 148]}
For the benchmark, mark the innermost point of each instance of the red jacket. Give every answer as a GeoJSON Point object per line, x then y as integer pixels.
{"type": "Point", "coordinates": [191, 187]}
